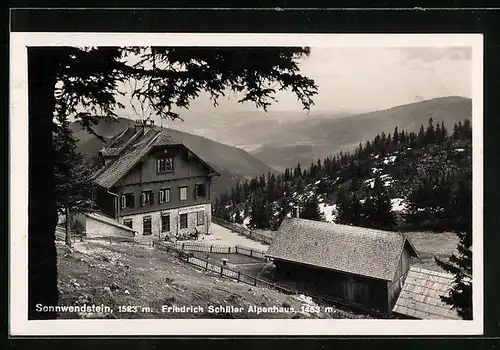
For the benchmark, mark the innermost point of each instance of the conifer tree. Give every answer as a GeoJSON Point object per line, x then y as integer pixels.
{"type": "Point", "coordinates": [379, 213]}
{"type": "Point", "coordinates": [460, 264]}
{"type": "Point", "coordinates": [310, 210]}
{"type": "Point", "coordinates": [73, 178]}
{"type": "Point", "coordinates": [344, 214]}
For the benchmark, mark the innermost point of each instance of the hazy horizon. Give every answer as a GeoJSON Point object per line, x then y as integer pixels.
{"type": "Point", "coordinates": [355, 80]}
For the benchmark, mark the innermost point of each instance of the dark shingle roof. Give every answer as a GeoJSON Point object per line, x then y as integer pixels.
{"type": "Point", "coordinates": [420, 296]}
{"type": "Point", "coordinates": [350, 249]}
{"type": "Point", "coordinates": [134, 148]}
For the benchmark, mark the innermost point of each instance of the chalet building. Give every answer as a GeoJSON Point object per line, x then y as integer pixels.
{"type": "Point", "coordinates": [353, 265]}
{"type": "Point", "coordinates": [154, 184]}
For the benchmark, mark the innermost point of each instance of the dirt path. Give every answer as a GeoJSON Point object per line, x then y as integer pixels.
{"type": "Point", "coordinates": [224, 236]}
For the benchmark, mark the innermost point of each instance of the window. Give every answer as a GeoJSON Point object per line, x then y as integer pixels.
{"type": "Point", "coordinates": [147, 198]}
{"type": "Point", "coordinates": [164, 165]}
{"type": "Point", "coordinates": [183, 221]}
{"type": "Point", "coordinates": [200, 218]}
{"type": "Point", "coordinates": [164, 195]}
{"type": "Point", "coordinates": [146, 225]}
{"type": "Point", "coordinates": [128, 222]}
{"type": "Point", "coordinates": [165, 223]}
{"type": "Point", "coordinates": [183, 193]}
{"type": "Point", "coordinates": [201, 191]}
{"type": "Point", "coordinates": [127, 200]}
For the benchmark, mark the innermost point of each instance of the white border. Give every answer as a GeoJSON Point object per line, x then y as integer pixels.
{"type": "Point", "coordinates": [19, 325]}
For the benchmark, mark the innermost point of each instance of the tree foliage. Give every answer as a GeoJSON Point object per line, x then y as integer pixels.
{"type": "Point", "coordinates": [83, 83]}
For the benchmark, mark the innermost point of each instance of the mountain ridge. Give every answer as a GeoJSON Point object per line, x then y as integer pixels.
{"type": "Point", "coordinates": [234, 164]}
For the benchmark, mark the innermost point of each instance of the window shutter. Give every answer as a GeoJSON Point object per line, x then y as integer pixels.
{"type": "Point", "coordinates": [167, 195]}
{"type": "Point", "coordinates": [132, 199]}
{"type": "Point", "coordinates": [123, 201]}
{"type": "Point", "coordinates": [143, 198]}
{"type": "Point", "coordinates": [158, 165]}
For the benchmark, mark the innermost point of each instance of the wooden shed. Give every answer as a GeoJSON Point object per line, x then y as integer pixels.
{"type": "Point", "coordinates": [357, 266]}
{"type": "Point", "coordinates": [420, 297]}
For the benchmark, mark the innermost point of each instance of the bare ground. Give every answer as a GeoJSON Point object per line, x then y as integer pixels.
{"type": "Point", "coordinates": [144, 279]}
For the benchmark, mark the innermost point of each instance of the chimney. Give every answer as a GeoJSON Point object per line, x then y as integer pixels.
{"type": "Point", "coordinates": [144, 124]}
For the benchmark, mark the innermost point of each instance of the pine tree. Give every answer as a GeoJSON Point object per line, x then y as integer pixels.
{"type": "Point", "coordinates": [73, 178]}
{"type": "Point", "coordinates": [421, 137]}
{"type": "Point", "coordinates": [379, 213]}
{"type": "Point", "coordinates": [460, 264]}
{"type": "Point", "coordinates": [344, 214]}
{"type": "Point", "coordinates": [310, 210]}
{"type": "Point", "coordinates": [356, 209]}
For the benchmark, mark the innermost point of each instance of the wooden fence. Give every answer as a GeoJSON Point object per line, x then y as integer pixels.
{"type": "Point", "coordinates": [220, 269]}
{"type": "Point", "coordinates": [253, 235]}
{"type": "Point", "coordinates": [224, 271]}
{"type": "Point", "coordinates": [219, 248]}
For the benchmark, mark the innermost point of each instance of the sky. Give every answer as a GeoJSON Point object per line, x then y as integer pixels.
{"type": "Point", "coordinates": [361, 79]}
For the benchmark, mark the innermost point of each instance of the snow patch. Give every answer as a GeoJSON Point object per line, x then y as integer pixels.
{"type": "Point", "coordinates": [390, 160]}
{"type": "Point", "coordinates": [246, 221]}
{"type": "Point", "coordinates": [398, 204]}
{"type": "Point", "coordinates": [328, 211]}
{"type": "Point", "coordinates": [370, 182]}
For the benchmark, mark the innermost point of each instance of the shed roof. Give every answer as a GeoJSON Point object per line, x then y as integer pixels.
{"type": "Point", "coordinates": [350, 249]}
{"type": "Point", "coordinates": [420, 295]}
{"type": "Point", "coordinates": [135, 146]}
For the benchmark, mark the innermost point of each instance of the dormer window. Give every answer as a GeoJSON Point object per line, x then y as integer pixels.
{"type": "Point", "coordinates": [164, 165]}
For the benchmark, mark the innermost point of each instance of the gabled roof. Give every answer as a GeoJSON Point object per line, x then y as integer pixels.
{"type": "Point", "coordinates": [349, 249]}
{"type": "Point", "coordinates": [420, 295]}
{"type": "Point", "coordinates": [134, 146]}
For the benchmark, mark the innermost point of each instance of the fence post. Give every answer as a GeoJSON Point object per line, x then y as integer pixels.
{"type": "Point", "coordinates": [251, 252]}
{"type": "Point", "coordinates": [206, 266]}
{"type": "Point", "coordinates": [110, 240]}
{"type": "Point", "coordinates": [255, 281]}
{"type": "Point", "coordinates": [182, 246]}
{"type": "Point", "coordinates": [239, 272]}
{"type": "Point", "coordinates": [221, 270]}
{"type": "Point", "coordinates": [211, 246]}
{"type": "Point", "coordinates": [228, 250]}
{"type": "Point", "coordinates": [236, 249]}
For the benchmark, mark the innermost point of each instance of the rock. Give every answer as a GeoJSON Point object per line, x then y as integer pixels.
{"type": "Point", "coordinates": [127, 292]}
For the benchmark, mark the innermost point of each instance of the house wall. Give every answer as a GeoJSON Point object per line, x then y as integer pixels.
{"type": "Point", "coordinates": [174, 202]}
{"type": "Point", "coordinates": [184, 167]}
{"type": "Point", "coordinates": [95, 228]}
{"type": "Point", "coordinates": [394, 287]}
{"type": "Point", "coordinates": [357, 290]}
{"type": "Point", "coordinates": [106, 202]}
{"type": "Point", "coordinates": [137, 221]}
{"type": "Point", "coordinates": [187, 172]}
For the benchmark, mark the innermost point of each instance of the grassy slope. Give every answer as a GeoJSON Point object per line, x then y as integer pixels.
{"type": "Point", "coordinates": [430, 245]}
{"type": "Point", "coordinates": [124, 274]}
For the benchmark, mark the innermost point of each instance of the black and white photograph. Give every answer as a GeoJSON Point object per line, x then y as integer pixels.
{"type": "Point", "coordinates": [188, 184]}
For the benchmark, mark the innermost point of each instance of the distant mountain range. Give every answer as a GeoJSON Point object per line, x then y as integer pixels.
{"type": "Point", "coordinates": [233, 163]}
{"type": "Point", "coordinates": [268, 142]}
{"type": "Point", "coordinates": [282, 145]}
